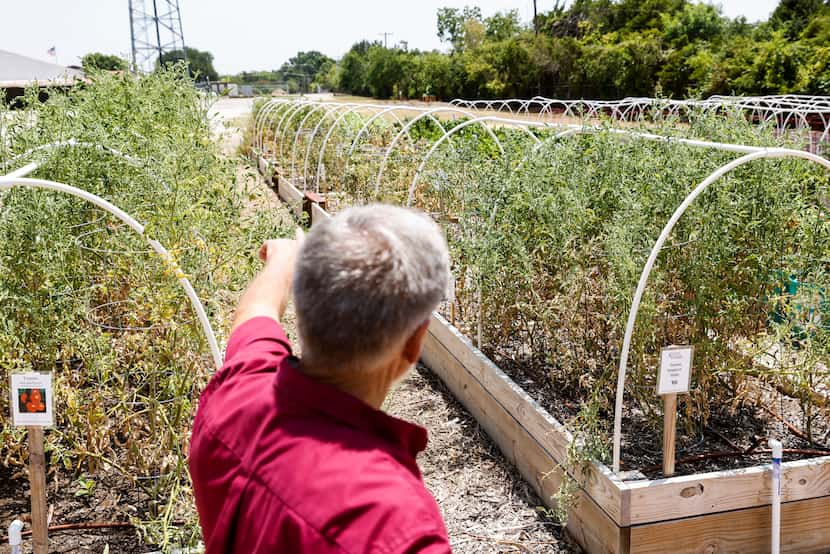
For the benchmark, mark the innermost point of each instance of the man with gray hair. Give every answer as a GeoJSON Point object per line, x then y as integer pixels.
{"type": "Point", "coordinates": [294, 455]}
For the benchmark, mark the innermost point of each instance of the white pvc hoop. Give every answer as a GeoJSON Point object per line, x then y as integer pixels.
{"type": "Point", "coordinates": [655, 251]}
{"type": "Point", "coordinates": [11, 182]}
{"type": "Point", "coordinates": [451, 132]}
{"type": "Point", "coordinates": [73, 143]}
{"type": "Point", "coordinates": [405, 130]}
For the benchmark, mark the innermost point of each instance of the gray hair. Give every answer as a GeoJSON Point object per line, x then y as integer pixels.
{"type": "Point", "coordinates": [366, 279]}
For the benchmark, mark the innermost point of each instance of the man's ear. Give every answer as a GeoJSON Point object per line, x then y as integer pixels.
{"type": "Point", "coordinates": [412, 347]}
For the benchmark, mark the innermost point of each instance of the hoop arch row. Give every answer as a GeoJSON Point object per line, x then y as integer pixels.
{"type": "Point", "coordinates": [447, 135]}
{"type": "Point", "coordinates": [408, 126]}
{"type": "Point", "coordinates": [655, 251]}
{"type": "Point", "coordinates": [329, 112]}
{"type": "Point", "coordinates": [273, 106]}
{"type": "Point", "coordinates": [379, 110]}
{"type": "Point", "coordinates": [326, 106]}
{"type": "Point", "coordinates": [11, 182]}
{"type": "Point", "coordinates": [322, 152]}
{"type": "Point", "coordinates": [392, 110]}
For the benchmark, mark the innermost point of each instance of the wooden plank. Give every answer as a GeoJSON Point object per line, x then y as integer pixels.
{"type": "Point", "coordinates": [589, 525]}
{"type": "Point", "coordinates": [291, 195]}
{"type": "Point", "coordinates": [705, 493]}
{"type": "Point", "coordinates": [669, 432]}
{"type": "Point", "coordinates": [804, 529]}
{"type": "Point", "coordinates": [318, 214]}
{"type": "Point", "coordinates": [591, 528]}
{"type": "Point", "coordinates": [609, 492]}
{"type": "Point", "coordinates": [263, 165]}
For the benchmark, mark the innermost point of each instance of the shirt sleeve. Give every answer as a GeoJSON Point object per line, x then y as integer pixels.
{"type": "Point", "coordinates": [257, 346]}
{"type": "Point", "coordinates": [258, 340]}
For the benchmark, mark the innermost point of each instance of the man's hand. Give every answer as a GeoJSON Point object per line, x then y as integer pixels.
{"type": "Point", "coordinates": [268, 293]}
{"type": "Point", "coordinates": [282, 250]}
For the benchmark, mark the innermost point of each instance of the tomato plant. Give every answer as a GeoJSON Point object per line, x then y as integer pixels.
{"type": "Point", "coordinates": [85, 298]}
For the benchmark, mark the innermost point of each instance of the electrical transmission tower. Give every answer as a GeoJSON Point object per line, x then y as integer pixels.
{"type": "Point", "coordinates": [155, 29]}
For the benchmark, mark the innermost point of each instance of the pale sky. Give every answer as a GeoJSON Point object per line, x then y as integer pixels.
{"type": "Point", "coordinates": [254, 34]}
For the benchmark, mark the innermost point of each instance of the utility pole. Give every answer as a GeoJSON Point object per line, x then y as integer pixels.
{"type": "Point", "coordinates": [535, 19]}
{"type": "Point", "coordinates": [385, 38]}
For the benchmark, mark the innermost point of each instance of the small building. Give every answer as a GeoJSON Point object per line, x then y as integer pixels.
{"type": "Point", "coordinates": [18, 73]}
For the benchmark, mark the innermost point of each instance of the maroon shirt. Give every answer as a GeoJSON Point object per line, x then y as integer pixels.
{"type": "Point", "coordinates": [281, 463]}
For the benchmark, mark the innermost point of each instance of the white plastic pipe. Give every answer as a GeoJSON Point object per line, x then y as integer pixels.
{"type": "Point", "coordinates": [777, 451]}
{"type": "Point", "coordinates": [23, 171]}
{"type": "Point", "coordinates": [15, 536]}
{"type": "Point", "coordinates": [74, 143]}
{"type": "Point", "coordinates": [11, 182]}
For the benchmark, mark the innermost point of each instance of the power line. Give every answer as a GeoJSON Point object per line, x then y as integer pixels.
{"type": "Point", "coordinates": [385, 38]}
{"type": "Point", "coordinates": [535, 19]}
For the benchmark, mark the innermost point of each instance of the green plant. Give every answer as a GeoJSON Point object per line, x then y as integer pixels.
{"type": "Point", "coordinates": [84, 297]}
{"type": "Point", "coordinates": [548, 243]}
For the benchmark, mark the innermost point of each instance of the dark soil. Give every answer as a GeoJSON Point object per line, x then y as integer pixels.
{"type": "Point", "coordinates": [111, 500]}
{"type": "Point", "coordinates": [734, 437]}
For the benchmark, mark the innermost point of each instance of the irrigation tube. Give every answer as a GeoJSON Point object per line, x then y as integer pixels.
{"type": "Point", "coordinates": [11, 182]}
{"type": "Point", "coordinates": [655, 251]}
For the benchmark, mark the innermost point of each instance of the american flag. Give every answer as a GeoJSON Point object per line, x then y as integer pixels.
{"type": "Point", "coordinates": [52, 52]}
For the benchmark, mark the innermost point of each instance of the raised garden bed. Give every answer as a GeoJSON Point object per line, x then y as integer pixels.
{"type": "Point", "coordinates": [722, 511]}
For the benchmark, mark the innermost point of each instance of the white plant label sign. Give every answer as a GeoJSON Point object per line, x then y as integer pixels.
{"type": "Point", "coordinates": [675, 370]}
{"type": "Point", "coordinates": [32, 400]}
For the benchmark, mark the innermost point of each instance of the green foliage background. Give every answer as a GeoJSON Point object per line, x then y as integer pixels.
{"type": "Point", "coordinates": [604, 49]}
{"type": "Point", "coordinates": [548, 243]}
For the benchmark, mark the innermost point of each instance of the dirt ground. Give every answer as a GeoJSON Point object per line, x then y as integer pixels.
{"type": "Point", "coordinates": [486, 504]}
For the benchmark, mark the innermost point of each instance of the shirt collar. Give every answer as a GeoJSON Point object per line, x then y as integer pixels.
{"type": "Point", "coordinates": [304, 394]}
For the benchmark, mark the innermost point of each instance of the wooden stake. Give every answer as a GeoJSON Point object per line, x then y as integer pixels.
{"type": "Point", "coordinates": [37, 484]}
{"type": "Point", "coordinates": [669, 432]}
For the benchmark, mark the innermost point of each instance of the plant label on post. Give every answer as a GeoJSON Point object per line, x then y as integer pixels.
{"type": "Point", "coordinates": [32, 401]}
{"type": "Point", "coordinates": [675, 370]}
{"type": "Point", "coordinates": [674, 378]}
{"type": "Point", "coordinates": [32, 406]}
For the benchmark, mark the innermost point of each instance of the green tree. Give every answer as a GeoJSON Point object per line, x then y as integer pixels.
{"type": "Point", "coordinates": [453, 24]}
{"type": "Point", "coordinates": [199, 62]}
{"type": "Point", "coordinates": [697, 22]}
{"type": "Point", "coordinates": [503, 25]}
{"type": "Point", "coordinates": [354, 69]}
{"type": "Point", "coordinates": [384, 71]}
{"type": "Point", "coordinates": [642, 15]}
{"type": "Point", "coordinates": [794, 15]}
{"type": "Point", "coordinates": [106, 62]}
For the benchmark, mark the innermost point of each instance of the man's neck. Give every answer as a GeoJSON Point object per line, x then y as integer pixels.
{"type": "Point", "coordinates": [370, 386]}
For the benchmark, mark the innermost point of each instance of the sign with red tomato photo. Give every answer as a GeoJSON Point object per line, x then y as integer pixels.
{"type": "Point", "coordinates": [32, 400]}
